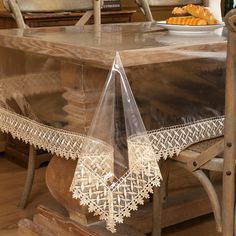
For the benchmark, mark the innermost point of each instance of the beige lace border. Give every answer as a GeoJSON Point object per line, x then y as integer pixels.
{"type": "Point", "coordinates": [165, 142]}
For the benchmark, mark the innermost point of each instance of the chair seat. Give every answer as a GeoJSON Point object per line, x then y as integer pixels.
{"type": "Point", "coordinates": [189, 155]}
{"type": "Point", "coordinates": [201, 146]}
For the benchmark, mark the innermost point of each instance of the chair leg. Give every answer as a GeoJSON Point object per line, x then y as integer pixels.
{"type": "Point", "coordinates": [157, 211]}
{"type": "Point", "coordinates": [159, 195]}
{"type": "Point", "coordinates": [210, 190]}
{"type": "Point", "coordinates": [29, 178]}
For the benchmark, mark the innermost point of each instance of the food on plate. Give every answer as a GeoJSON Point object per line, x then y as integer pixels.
{"type": "Point", "coordinates": [192, 15]}
{"type": "Point", "coordinates": [202, 12]}
{"type": "Point", "coordinates": [186, 21]}
{"type": "Point", "coordinates": [180, 11]}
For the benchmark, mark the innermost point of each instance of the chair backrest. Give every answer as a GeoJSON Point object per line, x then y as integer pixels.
{"type": "Point", "coordinates": [172, 2]}
{"type": "Point", "coordinates": [145, 5]}
{"type": "Point", "coordinates": [230, 20]}
{"type": "Point", "coordinates": [52, 6]}
{"type": "Point", "coordinates": [17, 7]}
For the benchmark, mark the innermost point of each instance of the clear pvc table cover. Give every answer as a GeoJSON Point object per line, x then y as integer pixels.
{"type": "Point", "coordinates": [116, 99]}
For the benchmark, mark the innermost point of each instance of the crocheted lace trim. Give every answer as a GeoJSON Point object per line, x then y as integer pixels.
{"type": "Point", "coordinates": [112, 203]}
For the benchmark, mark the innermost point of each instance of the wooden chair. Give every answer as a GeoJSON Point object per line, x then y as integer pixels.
{"type": "Point", "coordinates": [91, 7]}
{"type": "Point", "coordinates": [199, 159]}
{"type": "Point", "coordinates": [228, 204]}
{"type": "Point", "coordinates": [17, 7]}
{"type": "Point", "coordinates": [145, 5]}
{"type": "Point", "coordinates": [213, 155]}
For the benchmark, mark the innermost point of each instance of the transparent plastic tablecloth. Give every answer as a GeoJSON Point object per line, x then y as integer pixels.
{"type": "Point", "coordinates": [117, 99]}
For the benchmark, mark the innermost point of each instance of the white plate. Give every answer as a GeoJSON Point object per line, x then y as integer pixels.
{"type": "Point", "coordinates": [189, 29]}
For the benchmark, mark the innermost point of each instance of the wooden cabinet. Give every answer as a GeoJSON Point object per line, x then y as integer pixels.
{"type": "Point", "coordinates": [62, 19]}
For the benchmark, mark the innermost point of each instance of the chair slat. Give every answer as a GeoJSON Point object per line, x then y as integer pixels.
{"type": "Point", "coordinates": [172, 2]}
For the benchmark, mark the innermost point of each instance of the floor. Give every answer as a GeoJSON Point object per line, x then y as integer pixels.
{"type": "Point", "coordinates": [202, 226]}
{"type": "Point", "coordinates": [11, 183]}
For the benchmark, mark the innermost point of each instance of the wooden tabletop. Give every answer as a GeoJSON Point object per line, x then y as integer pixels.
{"type": "Point", "coordinates": [137, 43]}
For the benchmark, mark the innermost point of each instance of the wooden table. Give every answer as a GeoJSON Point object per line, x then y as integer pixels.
{"type": "Point", "coordinates": [157, 64]}
{"type": "Point", "coordinates": [63, 19]}
{"type": "Point", "coordinates": [137, 43]}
